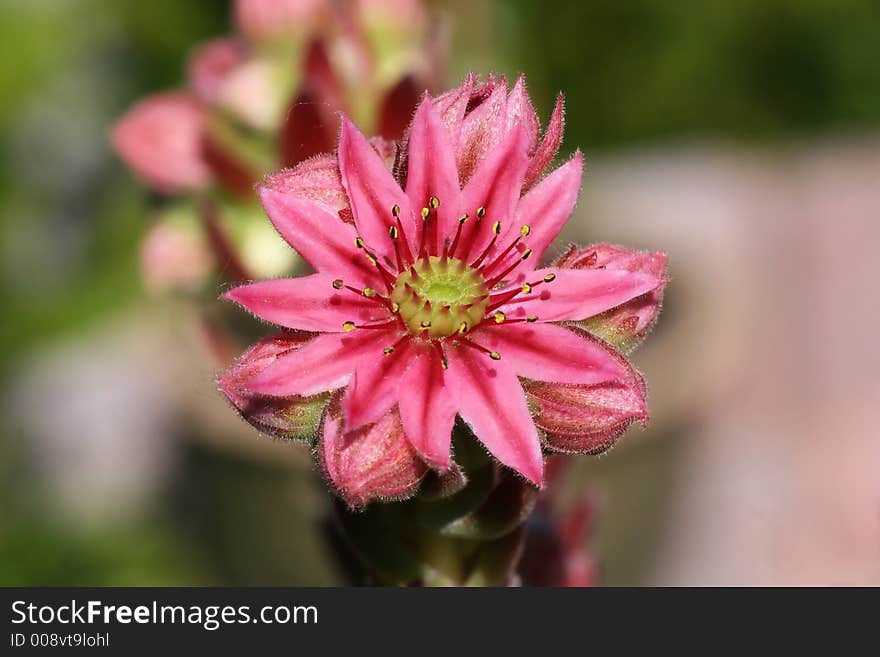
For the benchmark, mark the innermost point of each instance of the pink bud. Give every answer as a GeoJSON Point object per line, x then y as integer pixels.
{"type": "Point", "coordinates": [160, 138]}
{"type": "Point", "coordinates": [291, 418]}
{"type": "Point", "coordinates": [317, 179]}
{"type": "Point", "coordinates": [588, 418]}
{"type": "Point", "coordinates": [262, 20]}
{"type": "Point", "coordinates": [175, 254]}
{"type": "Point", "coordinates": [624, 326]}
{"type": "Point", "coordinates": [210, 64]}
{"type": "Point", "coordinates": [375, 462]}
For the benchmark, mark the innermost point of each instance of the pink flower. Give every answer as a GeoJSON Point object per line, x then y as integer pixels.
{"type": "Point", "coordinates": [428, 301]}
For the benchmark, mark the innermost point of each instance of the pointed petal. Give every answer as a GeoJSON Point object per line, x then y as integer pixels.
{"type": "Point", "coordinates": [296, 417]}
{"type": "Point", "coordinates": [428, 409]}
{"type": "Point", "coordinates": [317, 179]}
{"type": "Point", "coordinates": [375, 462]}
{"type": "Point", "coordinates": [325, 363]}
{"type": "Point", "coordinates": [549, 145]}
{"type": "Point", "coordinates": [496, 187]}
{"type": "Point", "coordinates": [452, 106]}
{"type": "Point", "coordinates": [493, 403]}
{"type": "Point", "coordinates": [309, 303]}
{"type": "Point", "coordinates": [626, 325]}
{"type": "Point", "coordinates": [371, 190]}
{"type": "Point", "coordinates": [160, 139]}
{"type": "Point", "coordinates": [373, 390]}
{"type": "Point", "coordinates": [431, 171]}
{"type": "Point", "coordinates": [321, 238]}
{"type": "Point", "coordinates": [547, 207]}
{"type": "Point", "coordinates": [520, 112]}
{"type": "Point", "coordinates": [547, 352]}
{"type": "Point", "coordinates": [578, 294]}
{"type": "Point", "coordinates": [482, 130]}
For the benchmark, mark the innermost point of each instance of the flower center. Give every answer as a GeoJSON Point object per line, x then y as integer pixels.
{"type": "Point", "coordinates": [440, 296]}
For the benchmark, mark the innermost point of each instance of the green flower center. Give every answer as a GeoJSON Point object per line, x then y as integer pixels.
{"type": "Point", "coordinates": [440, 296]}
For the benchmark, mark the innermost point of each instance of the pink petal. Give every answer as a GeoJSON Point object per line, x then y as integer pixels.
{"type": "Point", "coordinates": [209, 65]}
{"type": "Point", "coordinates": [520, 112]}
{"type": "Point", "coordinates": [321, 238]}
{"type": "Point", "coordinates": [588, 418]}
{"type": "Point", "coordinates": [547, 352]}
{"type": "Point", "coordinates": [372, 463]}
{"type": "Point", "coordinates": [161, 138]}
{"type": "Point", "coordinates": [372, 191]}
{"type": "Point", "coordinates": [309, 303]}
{"type": "Point", "coordinates": [373, 390]}
{"type": "Point", "coordinates": [547, 207]}
{"type": "Point", "coordinates": [577, 294]}
{"type": "Point", "coordinates": [492, 402]}
{"type": "Point", "coordinates": [428, 409]}
{"type": "Point", "coordinates": [549, 145]}
{"type": "Point", "coordinates": [431, 171]}
{"type": "Point", "coordinates": [496, 187]}
{"type": "Point", "coordinates": [452, 106]}
{"type": "Point", "coordinates": [317, 179]}
{"type": "Point", "coordinates": [482, 130]}
{"type": "Point", "coordinates": [325, 363]}
{"type": "Point", "coordinates": [292, 417]}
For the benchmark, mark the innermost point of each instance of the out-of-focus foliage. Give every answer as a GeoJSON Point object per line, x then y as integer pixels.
{"type": "Point", "coordinates": [647, 69]}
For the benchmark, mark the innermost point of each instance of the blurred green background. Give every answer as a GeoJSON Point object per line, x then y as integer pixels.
{"type": "Point", "coordinates": [636, 73]}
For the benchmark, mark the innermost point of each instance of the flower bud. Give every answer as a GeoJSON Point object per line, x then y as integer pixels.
{"type": "Point", "coordinates": [268, 20]}
{"type": "Point", "coordinates": [375, 462]}
{"type": "Point", "coordinates": [627, 325]}
{"type": "Point", "coordinates": [296, 418]}
{"type": "Point", "coordinates": [588, 418]}
{"type": "Point", "coordinates": [160, 139]}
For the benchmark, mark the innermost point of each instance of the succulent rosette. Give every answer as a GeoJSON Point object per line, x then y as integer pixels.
{"type": "Point", "coordinates": [430, 302]}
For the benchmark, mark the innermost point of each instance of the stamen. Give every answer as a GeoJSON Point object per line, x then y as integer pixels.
{"type": "Point", "coordinates": [392, 232]}
{"type": "Point", "coordinates": [369, 292]}
{"type": "Point", "coordinates": [395, 306]}
{"type": "Point", "coordinates": [496, 230]}
{"type": "Point", "coordinates": [524, 230]}
{"type": "Point", "coordinates": [425, 214]}
{"type": "Point", "coordinates": [338, 284]}
{"type": "Point", "coordinates": [444, 363]}
{"type": "Point", "coordinates": [499, 317]}
{"type": "Point", "coordinates": [463, 328]}
{"type": "Point", "coordinates": [388, 351]}
{"type": "Point", "coordinates": [549, 278]}
{"type": "Point", "coordinates": [348, 326]}
{"type": "Point", "coordinates": [403, 257]}
{"type": "Point", "coordinates": [462, 220]}
{"type": "Point", "coordinates": [359, 242]}
{"type": "Point", "coordinates": [395, 211]}
{"type": "Point", "coordinates": [494, 355]}
{"type": "Point", "coordinates": [434, 202]}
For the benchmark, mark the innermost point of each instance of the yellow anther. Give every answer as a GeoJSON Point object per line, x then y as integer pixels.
{"type": "Point", "coordinates": [481, 212]}
{"type": "Point", "coordinates": [463, 218]}
{"type": "Point", "coordinates": [463, 328]}
{"type": "Point", "coordinates": [526, 254]}
{"type": "Point", "coordinates": [392, 232]}
{"type": "Point", "coordinates": [348, 326]}
{"type": "Point", "coordinates": [494, 355]}
{"type": "Point", "coordinates": [388, 351]}
{"type": "Point", "coordinates": [524, 230]}
{"type": "Point", "coordinates": [531, 319]}
{"type": "Point", "coordinates": [526, 288]}
{"type": "Point", "coordinates": [549, 278]}
{"type": "Point", "coordinates": [496, 227]}
{"type": "Point", "coordinates": [338, 284]}
{"type": "Point", "coordinates": [373, 260]}
{"type": "Point", "coordinates": [395, 210]}
{"type": "Point", "coordinates": [425, 214]}
{"type": "Point", "coordinates": [444, 363]}
{"type": "Point", "coordinates": [434, 202]}
{"type": "Point", "coordinates": [359, 242]}
{"type": "Point", "coordinates": [426, 324]}
{"type": "Point", "coordinates": [499, 317]}
{"type": "Point", "coordinates": [395, 306]}
{"type": "Point", "coordinates": [369, 292]}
